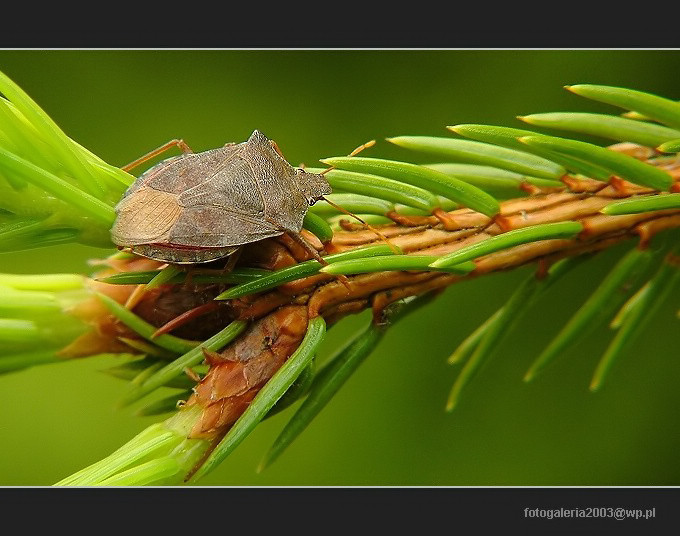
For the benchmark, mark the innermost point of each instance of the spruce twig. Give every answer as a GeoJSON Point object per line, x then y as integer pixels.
{"type": "Point", "coordinates": [502, 199]}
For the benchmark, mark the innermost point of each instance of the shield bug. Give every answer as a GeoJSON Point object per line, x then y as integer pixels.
{"type": "Point", "coordinates": [200, 207]}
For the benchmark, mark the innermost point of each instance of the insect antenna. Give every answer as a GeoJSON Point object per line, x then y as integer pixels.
{"type": "Point", "coordinates": [382, 237]}
{"type": "Point", "coordinates": [367, 225]}
{"type": "Point", "coordinates": [355, 152]}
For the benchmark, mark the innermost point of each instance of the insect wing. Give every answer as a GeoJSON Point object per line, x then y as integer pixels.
{"type": "Point", "coordinates": [216, 226]}
{"type": "Point", "coordinates": [146, 216]}
{"type": "Point", "coordinates": [223, 178]}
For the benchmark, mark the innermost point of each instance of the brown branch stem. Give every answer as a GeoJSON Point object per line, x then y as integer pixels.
{"type": "Point", "coordinates": [324, 295]}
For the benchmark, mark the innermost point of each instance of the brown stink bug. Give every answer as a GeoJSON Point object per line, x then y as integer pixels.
{"type": "Point", "coordinates": [200, 207]}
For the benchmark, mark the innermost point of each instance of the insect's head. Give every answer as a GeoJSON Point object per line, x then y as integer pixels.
{"type": "Point", "coordinates": [312, 185]}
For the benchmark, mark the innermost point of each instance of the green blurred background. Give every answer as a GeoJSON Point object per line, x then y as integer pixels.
{"type": "Point", "coordinates": [387, 426]}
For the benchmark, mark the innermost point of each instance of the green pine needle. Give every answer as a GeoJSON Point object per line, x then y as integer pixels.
{"type": "Point", "coordinates": [422, 177]}
{"type": "Point", "coordinates": [509, 137]}
{"type": "Point", "coordinates": [396, 263]}
{"type": "Point", "coordinates": [19, 361]}
{"type": "Point", "coordinates": [131, 369]}
{"type": "Point", "coordinates": [147, 348]}
{"type": "Point", "coordinates": [237, 275]}
{"type": "Point", "coordinates": [318, 226]}
{"type": "Point", "coordinates": [298, 271]}
{"type": "Point", "coordinates": [465, 348]}
{"type": "Point", "coordinates": [50, 180]}
{"type": "Point", "coordinates": [606, 126]}
{"type": "Point", "coordinates": [395, 191]}
{"type": "Point", "coordinates": [486, 154]}
{"type": "Point", "coordinates": [46, 282]}
{"type": "Point", "coordinates": [276, 278]}
{"type": "Point", "coordinates": [146, 373]}
{"type": "Point", "coordinates": [91, 205]}
{"type": "Point", "coordinates": [516, 237]}
{"type": "Point", "coordinates": [627, 307]}
{"type": "Point", "coordinates": [297, 390]}
{"type": "Point", "coordinates": [145, 474]}
{"type": "Point", "coordinates": [672, 146]}
{"type": "Point", "coordinates": [151, 440]}
{"type": "Point", "coordinates": [163, 276]}
{"type": "Point", "coordinates": [76, 165]}
{"type": "Point", "coordinates": [637, 317]}
{"type": "Point", "coordinates": [370, 219]}
{"type": "Point", "coordinates": [647, 204]}
{"type": "Point", "coordinates": [325, 385]}
{"type": "Point", "coordinates": [176, 368]}
{"type": "Point", "coordinates": [619, 164]}
{"type": "Point", "coordinates": [491, 333]}
{"type": "Point", "coordinates": [355, 203]}
{"type": "Point", "coordinates": [161, 454]}
{"type": "Point", "coordinates": [490, 341]}
{"type": "Point", "coordinates": [18, 330]}
{"type": "Point", "coordinates": [27, 303]}
{"type": "Point", "coordinates": [143, 328]}
{"type": "Point", "coordinates": [501, 183]}
{"type": "Point", "coordinates": [599, 307]}
{"type": "Point", "coordinates": [654, 107]}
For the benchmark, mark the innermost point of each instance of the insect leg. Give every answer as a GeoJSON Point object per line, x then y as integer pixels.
{"type": "Point", "coordinates": [299, 239]}
{"type": "Point", "coordinates": [189, 278]}
{"type": "Point", "coordinates": [232, 260]}
{"type": "Point", "coordinates": [194, 269]}
{"type": "Point", "coordinates": [186, 317]}
{"type": "Point", "coordinates": [180, 144]}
